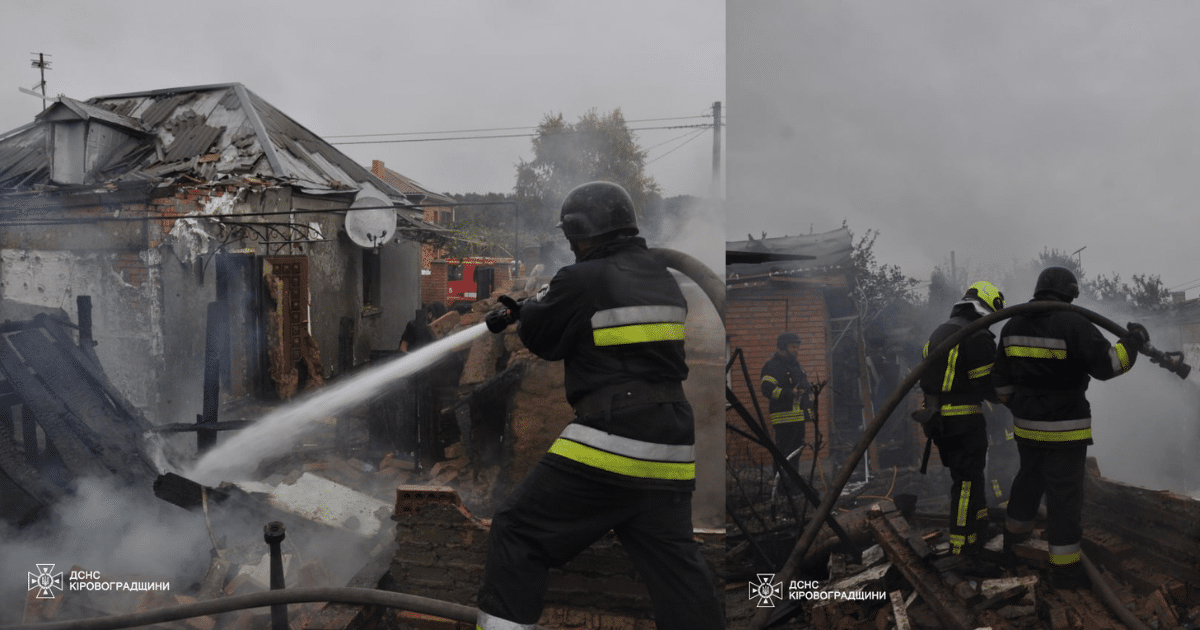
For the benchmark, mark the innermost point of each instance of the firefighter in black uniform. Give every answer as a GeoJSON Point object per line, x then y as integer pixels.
{"type": "Point", "coordinates": [789, 395]}
{"type": "Point", "coordinates": [1043, 365]}
{"type": "Point", "coordinates": [627, 461]}
{"type": "Point", "coordinates": [955, 389]}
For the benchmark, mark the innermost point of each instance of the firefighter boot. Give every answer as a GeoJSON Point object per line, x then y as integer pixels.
{"type": "Point", "coordinates": [1009, 557]}
{"type": "Point", "coordinates": [1069, 576]}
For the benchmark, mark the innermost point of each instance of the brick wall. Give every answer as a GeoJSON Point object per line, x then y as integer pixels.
{"type": "Point", "coordinates": [754, 318]}
{"type": "Point", "coordinates": [433, 286]}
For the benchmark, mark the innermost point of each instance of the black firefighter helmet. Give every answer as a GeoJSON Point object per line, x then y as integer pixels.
{"type": "Point", "coordinates": [785, 338]}
{"type": "Point", "coordinates": [1057, 282]}
{"type": "Point", "coordinates": [595, 209]}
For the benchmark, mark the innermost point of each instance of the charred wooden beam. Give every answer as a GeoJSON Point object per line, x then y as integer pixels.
{"type": "Point", "coordinates": [112, 436]}
{"type": "Point", "coordinates": [1159, 524]}
{"type": "Point", "coordinates": [50, 413]}
{"type": "Point", "coordinates": [952, 611]}
{"type": "Point", "coordinates": [184, 427]}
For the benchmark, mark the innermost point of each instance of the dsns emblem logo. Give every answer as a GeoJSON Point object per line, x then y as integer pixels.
{"type": "Point", "coordinates": [45, 581]}
{"type": "Point", "coordinates": [763, 590]}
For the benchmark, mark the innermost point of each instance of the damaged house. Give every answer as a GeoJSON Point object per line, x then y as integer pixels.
{"type": "Point", "coordinates": [158, 204]}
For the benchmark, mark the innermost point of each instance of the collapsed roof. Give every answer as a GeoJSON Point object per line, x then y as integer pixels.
{"type": "Point", "coordinates": [209, 132]}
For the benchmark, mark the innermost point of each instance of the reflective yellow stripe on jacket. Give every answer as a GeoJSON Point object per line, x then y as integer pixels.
{"type": "Point", "coordinates": [1035, 347]}
{"type": "Point", "coordinates": [625, 456]}
{"type": "Point", "coordinates": [638, 324]}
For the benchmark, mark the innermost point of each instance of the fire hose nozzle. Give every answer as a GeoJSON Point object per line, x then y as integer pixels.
{"type": "Point", "coordinates": [1170, 361]}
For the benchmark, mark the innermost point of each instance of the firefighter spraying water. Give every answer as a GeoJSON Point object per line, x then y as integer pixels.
{"type": "Point", "coordinates": [627, 461]}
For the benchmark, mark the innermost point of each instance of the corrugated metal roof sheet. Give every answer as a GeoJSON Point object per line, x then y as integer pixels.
{"type": "Point", "coordinates": [252, 137]}
{"type": "Point", "coordinates": [829, 251]}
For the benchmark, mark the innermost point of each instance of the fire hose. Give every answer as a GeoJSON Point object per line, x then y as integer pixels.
{"type": "Point", "coordinates": [1172, 361]}
{"type": "Point", "coordinates": [337, 594]}
{"type": "Point", "coordinates": [712, 285]}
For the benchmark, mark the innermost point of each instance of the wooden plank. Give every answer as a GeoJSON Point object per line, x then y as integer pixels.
{"type": "Point", "coordinates": [117, 440]}
{"type": "Point", "coordinates": [51, 415]}
{"type": "Point", "coordinates": [1159, 524]}
{"type": "Point", "coordinates": [952, 612]}
{"type": "Point", "coordinates": [899, 611]}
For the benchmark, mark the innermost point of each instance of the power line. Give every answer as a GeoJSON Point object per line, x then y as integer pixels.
{"type": "Point", "coordinates": [512, 135]}
{"type": "Point", "coordinates": [428, 133]}
{"type": "Point", "coordinates": [695, 134]}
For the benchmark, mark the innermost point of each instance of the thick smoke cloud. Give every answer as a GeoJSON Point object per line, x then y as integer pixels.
{"type": "Point", "coordinates": [997, 129]}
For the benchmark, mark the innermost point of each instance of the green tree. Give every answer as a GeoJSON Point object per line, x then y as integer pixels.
{"type": "Point", "coordinates": [596, 147]}
{"type": "Point", "coordinates": [879, 285]}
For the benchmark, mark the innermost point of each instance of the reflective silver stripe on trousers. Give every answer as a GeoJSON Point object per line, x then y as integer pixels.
{"type": "Point", "coordinates": [1035, 342]}
{"type": "Point", "coordinates": [629, 447]}
{"type": "Point", "coordinates": [626, 315]}
{"type": "Point", "coordinates": [1057, 425]}
{"type": "Point", "coordinates": [488, 622]}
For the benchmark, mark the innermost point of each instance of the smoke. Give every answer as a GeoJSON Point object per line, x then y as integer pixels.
{"type": "Point", "coordinates": [126, 534]}
{"type": "Point", "coordinates": [108, 528]}
{"type": "Point", "coordinates": [1146, 425]}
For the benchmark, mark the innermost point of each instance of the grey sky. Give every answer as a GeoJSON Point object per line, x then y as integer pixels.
{"type": "Point", "coordinates": [992, 129]}
{"type": "Point", "coordinates": [366, 67]}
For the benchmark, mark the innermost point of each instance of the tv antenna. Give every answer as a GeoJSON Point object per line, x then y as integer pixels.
{"type": "Point", "coordinates": [41, 64]}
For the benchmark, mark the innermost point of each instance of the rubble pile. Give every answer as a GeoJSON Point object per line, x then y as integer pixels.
{"type": "Point", "coordinates": [897, 571]}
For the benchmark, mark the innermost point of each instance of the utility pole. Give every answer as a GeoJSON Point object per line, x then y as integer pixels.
{"type": "Point", "coordinates": [716, 177]}
{"type": "Point", "coordinates": [41, 64]}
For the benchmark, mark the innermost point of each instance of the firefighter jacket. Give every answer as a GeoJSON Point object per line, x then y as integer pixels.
{"type": "Point", "coordinates": [787, 390]}
{"type": "Point", "coordinates": [616, 320]}
{"type": "Point", "coordinates": [960, 381]}
{"type": "Point", "coordinates": [1044, 363]}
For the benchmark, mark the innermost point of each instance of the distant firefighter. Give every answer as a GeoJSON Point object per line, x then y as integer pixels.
{"type": "Point", "coordinates": [789, 394]}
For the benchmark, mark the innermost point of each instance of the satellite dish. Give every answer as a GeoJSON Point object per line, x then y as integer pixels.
{"type": "Point", "coordinates": [373, 227]}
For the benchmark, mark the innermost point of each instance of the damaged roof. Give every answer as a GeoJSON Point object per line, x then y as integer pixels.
{"type": "Point", "coordinates": [415, 192]}
{"type": "Point", "coordinates": [794, 256]}
{"type": "Point", "coordinates": [209, 132]}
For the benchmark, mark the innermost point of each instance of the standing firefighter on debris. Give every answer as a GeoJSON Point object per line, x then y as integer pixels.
{"type": "Point", "coordinates": [627, 461]}
{"type": "Point", "coordinates": [1043, 366]}
{"type": "Point", "coordinates": [955, 389]}
{"type": "Point", "coordinates": [789, 395]}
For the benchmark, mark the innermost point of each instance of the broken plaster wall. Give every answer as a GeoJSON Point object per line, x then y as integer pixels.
{"type": "Point", "coordinates": [126, 306]}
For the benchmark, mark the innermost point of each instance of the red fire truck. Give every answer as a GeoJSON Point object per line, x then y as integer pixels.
{"type": "Point", "coordinates": [472, 278]}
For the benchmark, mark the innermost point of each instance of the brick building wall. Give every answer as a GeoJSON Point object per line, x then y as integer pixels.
{"type": "Point", "coordinates": [754, 318]}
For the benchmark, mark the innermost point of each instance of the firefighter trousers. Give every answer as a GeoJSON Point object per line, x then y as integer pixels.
{"type": "Point", "coordinates": [1057, 473]}
{"type": "Point", "coordinates": [964, 453]}
{"type": "Point", "coordinates": [789, 436]}
{"type": "Point", "coordinates": [554, 515]}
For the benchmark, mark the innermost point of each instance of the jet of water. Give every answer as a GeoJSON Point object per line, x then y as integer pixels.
{"type": "Point", "coordinates": [238, 455]}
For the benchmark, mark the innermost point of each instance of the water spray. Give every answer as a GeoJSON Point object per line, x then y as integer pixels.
{"type": "Point", "coordinates": [1172, 361]}
{"type": "Point", "coordinates": [278, 430]}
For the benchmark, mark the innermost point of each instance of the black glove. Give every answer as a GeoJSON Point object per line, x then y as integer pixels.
{"type": "Point", "coordinates": [505, 313]}
{"type": "Point", "coordinates": [1137, 338]}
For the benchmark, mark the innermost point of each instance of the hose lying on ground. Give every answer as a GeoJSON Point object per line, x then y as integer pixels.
{"type": "Point", "coordinates": [901, 392]}
{"type": "Point", "coordinates": [338, 594]}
